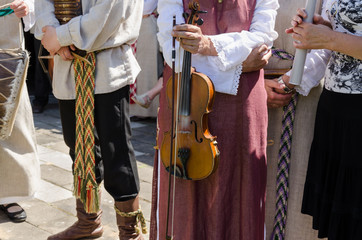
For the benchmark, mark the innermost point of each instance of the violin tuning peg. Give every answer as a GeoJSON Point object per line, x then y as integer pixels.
{"type": "Point", "coordinates": [185, 15]}
{"type": "Point", "coordinates": [200, 21]}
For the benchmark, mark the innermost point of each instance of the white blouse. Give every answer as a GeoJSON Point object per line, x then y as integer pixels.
{"type": "Point", "coordinates": [233, 48]}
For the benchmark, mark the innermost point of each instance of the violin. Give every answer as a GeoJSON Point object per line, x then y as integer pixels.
{"type": "Point", "coordinates": [188, 149]}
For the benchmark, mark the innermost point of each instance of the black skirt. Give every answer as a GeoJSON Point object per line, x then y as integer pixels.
{"type": "Point", "coordinates": [333, 187]}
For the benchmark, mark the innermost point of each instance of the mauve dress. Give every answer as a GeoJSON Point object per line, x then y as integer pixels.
{"type": "Point", "coordinates": [229, 204]}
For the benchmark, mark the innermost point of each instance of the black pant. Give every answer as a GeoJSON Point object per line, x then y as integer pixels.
{"type": "Point", "coordinates": [42, 86]}
{"type": "Point", "coordinates": [38, 82]}
{"type": "Point", "coordinates": [115, 159]}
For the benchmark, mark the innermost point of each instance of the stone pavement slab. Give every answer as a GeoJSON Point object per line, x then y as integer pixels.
{"type": "Point", "coordinates": [53, 208]}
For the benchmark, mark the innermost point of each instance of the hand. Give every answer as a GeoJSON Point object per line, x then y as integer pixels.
{"type": "Point", "coordinates": [275, 96]}
{"type": "Point", "coordinates": [302, 14]}
{"type": "Point", "coordinates": [65, 53]}
{"type": "Point", "coordinates": [191, 39]}
{"type": "Point", "coordinates": [310, 36]}
{"type": "Point", "coordinates": [257, 59]}
{"type": "Point", "coordinates": [21, 9]}
{"type": "Point", "coordinates": [50, 40]}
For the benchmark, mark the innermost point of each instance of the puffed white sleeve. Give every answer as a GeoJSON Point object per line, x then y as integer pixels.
{"type": "Point", "coordinates": [29, 20]}
{"type": "Point", "coordinates": [232, 48]}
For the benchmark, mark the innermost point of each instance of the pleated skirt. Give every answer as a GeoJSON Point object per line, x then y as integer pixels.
{"type": "Point", "coordinates": [333, 187]}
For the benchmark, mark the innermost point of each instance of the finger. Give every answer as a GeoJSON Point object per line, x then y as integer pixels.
{"type": "Point", "coordinates": [72, 47]}
{"type": "Point", "coordinates": [317, 19]}
{"type": "Point", "coordinates": [19, 8]}
{"type": "Point", "coordinates": [189, 48]}
{"type": "Point", "coordinates": [187, 35]}
{"type": "Point", "coordinates": [67, 54]}
{"type": "Point", "coordinates": [21, 13]}
{"type": "Point", "coordinates": [289, 30]}
{"type": "Point", "coordinates": [302, 13]}
{"type": "Point", "coordinates": [297, 37]}
{"type": "Point", "coordinates": [273, 84]}
{"type": "Point", "coordinates": [278, 100]}
{"type": "Point", "coordinates": [276, 104]}
{"type": "Point", "coordinates": [267, 55]}
{"type": "Point", "coordinates": [188, 42]}
{"type": "Point", "coordinates": [298, 44]}
{"type": "Point", "coordinates": [297, 30]}
{"type": "Point", "coordinates": [186, 28]}
{"type": "Point", "coordinates": [15, 4]}
{"type": "Point", "coordinates": [297, 20]}
{"type": "Point", "coordinates": [263, 48]}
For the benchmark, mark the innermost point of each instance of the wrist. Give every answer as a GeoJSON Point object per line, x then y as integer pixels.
{"type": "Point", "coordinates": [288, 88]}
{"type": "Point", "coordinates": [333, 40]}
{"type": "Point", "coordinates": [210, 49]}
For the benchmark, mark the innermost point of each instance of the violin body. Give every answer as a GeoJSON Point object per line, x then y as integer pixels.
{"type": "Point", "coordinates": [195, 149]}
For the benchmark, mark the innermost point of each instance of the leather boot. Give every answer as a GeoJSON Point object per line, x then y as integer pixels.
{"type": "Point", "coordinates": [88, 225]}
{"type": "Point", "coordinates": [129, 215]}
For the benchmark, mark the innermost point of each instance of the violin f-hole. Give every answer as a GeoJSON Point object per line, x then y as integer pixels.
{"type": "Point", "coordinates": [197, 139]}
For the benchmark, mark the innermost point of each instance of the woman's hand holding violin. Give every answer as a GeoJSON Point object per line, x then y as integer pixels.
{"type": "Point", "coordinates": [192, 40]}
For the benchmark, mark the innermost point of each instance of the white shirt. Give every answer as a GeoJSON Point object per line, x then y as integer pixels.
{"type": "Point", "coordinates": [149, 6]}
{"type": "Point", "coordinates": [107, 25]}
{"type": "Point", "coordinates": [233, 48]}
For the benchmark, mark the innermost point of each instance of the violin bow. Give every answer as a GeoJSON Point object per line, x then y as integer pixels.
{"type": "Point", "coordinates": [170, 237]}
{"type": "Point", "coordinates": [192, 5]}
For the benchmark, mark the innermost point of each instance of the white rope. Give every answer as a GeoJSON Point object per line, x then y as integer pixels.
{"type": "Point", "coordinates": [5, 6]}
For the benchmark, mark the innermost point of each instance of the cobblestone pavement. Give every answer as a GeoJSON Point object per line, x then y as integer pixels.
{"type": "Point", "coordinates": [53, 208]}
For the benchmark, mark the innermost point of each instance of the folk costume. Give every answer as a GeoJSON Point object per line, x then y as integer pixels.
{"type": "Point", "coordinates": [332, 191]}
{"type": "Point", "coordinates": [298, 226]}
{"type": "Point", "coordinates": [19, 163]}
{"type": "Point", "coordinates": [230, 203]}
{"type": "Point", "coordinates": [103, 34]}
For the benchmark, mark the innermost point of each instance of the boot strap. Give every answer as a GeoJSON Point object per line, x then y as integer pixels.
{"type": "Point", "coordinates": [139, 217]}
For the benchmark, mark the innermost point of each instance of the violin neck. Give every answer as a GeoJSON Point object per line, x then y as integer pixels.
{"type": "Point", "coordinates": [185, 91]}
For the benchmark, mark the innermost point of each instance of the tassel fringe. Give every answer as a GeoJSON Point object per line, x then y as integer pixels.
{"type": "Point", "coordinates": [139, 216]}
{"type": "Point", "coordinates": [88, 195]}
